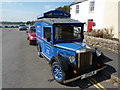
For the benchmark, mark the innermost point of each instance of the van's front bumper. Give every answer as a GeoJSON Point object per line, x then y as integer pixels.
{"type": "Point", "coordinates": [78, 76]}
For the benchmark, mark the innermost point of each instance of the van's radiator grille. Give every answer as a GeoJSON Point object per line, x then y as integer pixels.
{"type": "Point", "coordinates": [84, 59]}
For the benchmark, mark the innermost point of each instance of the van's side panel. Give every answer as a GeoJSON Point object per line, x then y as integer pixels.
{"type": "Point", "coordinates": [47, 48]}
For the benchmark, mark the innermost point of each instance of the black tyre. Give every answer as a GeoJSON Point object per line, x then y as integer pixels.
{"type": "Point", "coordinates": [39, 51]}
{"type": "Point", "coordinates": [58, 73]}
{"type": "Point", "coordinates": [30, 43]}
{"type": "Point", "coordinates": [27, 38]}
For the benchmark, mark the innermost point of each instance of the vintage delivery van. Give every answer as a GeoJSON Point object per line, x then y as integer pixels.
{"type": "Point", "coordinates": [60, 41]}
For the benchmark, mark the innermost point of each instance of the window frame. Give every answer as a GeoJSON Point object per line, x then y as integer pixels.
{"type": "Point", "coordinates": [77, 9]}
{"type": "Point", "coordinates": [45, 33]}
{"type": "Point", "coordinates": [92, 6]}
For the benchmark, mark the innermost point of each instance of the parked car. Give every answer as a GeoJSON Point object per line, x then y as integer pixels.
{"type": "Point", "coordinates": [16, 26]}
{"type": "Point", "coordinates": [12, 26]}
{"type": "Point", "coordinates": [22, 27]}
{"type": "Point", "coordinates": [31, 35]}
{"type": "Point", "coordinates": [60, 41]}
{"type": "Point", "coordinates": [6, 26]}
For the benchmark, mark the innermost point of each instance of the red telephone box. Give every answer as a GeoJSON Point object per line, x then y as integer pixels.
{"type": "Point", "coordinates": [90, 25]}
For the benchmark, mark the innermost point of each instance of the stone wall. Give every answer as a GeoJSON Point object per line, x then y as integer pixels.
{"type": "Point", "coordinates": [103, 43]}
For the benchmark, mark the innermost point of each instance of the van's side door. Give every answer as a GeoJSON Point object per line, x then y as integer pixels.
{"type": "Point", "coordinates": [47, 45]}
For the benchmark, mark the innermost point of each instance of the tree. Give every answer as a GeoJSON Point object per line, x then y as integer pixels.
{"type": "Point", "coordinates": [64, 8]}
{"type": "Point", "coordinates": [28, 22]}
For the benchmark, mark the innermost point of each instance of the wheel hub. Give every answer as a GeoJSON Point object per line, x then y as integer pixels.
{"type": "Point", "coordinates": [57, 72]}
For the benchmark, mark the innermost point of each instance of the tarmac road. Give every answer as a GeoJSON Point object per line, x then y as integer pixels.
{"type": "Point", "coordinates": [22, 68]}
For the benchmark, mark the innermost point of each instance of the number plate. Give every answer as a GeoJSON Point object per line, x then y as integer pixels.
{"type": "Point", "coordinates": [88, 74]}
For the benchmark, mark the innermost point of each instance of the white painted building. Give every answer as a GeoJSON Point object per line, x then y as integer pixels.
{"type": "Point", "coordinates": [103, 12]}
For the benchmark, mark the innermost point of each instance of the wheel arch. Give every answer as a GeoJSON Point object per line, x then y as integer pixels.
{"type": "Point", "coordinates": [61, 60]}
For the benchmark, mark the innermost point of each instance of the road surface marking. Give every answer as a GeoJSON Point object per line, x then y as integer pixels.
{"type": "Point", "coordinates": [98, 84]}
{"type": "Point", "coordinates": [94, 84]}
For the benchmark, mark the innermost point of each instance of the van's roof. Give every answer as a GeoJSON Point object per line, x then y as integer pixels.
{"type": "Point", "coordinates": [58, 20]}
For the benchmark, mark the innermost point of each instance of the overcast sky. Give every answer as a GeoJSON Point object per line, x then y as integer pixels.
{"type": "Point", "coordinates": [25, 11]}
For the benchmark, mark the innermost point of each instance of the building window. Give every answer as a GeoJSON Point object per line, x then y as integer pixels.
{"type": "Point", "coordinates": [77, 8]}
{"type": "Point", "coordinates": [92, 6]}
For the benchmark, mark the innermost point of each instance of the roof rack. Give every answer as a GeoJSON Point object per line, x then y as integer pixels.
{"type": "Point", "coordinates": [55, 14]}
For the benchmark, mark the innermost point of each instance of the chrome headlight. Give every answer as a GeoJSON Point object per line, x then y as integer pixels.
{"type": "Point", "coordinates": [72, 59]}
{"type": "Point", "coordinates": [98, 53]}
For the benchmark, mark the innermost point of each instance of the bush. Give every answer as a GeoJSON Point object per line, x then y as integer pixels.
{"type": "Point", "coordinates": [102, 33]}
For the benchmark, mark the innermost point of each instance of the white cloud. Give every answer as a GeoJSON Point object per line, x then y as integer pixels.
{"type": "Point", "coordinates": [7, 0]}
{"type": "Point", "coordinates": [16, 11]}
{"type": "Point", "coordinates": [14, 15]}
{"type": "Point", "coordinates": [13, 3]}
{"type": "Point", "coordinates": [37, 0]}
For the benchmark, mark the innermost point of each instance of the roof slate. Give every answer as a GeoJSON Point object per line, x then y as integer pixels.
{"type": "Point", "coordinates": [77, 1]}
{"type": "Point", "coordinates": [57, 20]}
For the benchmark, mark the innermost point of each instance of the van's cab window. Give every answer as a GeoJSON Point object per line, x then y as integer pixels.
{"type": "Point", "coordinates": [32, 29]}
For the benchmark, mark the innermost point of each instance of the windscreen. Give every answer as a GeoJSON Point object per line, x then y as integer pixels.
{"type": "Point", "coordinates": [67, 33]}
{"type": "Point", "coordinates": [32, 29]}
{"type": "Point", "coordinates": [22, 25]}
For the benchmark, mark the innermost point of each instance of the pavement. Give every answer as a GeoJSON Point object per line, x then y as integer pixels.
{"type": "Point", "coordinates": [22, 68]}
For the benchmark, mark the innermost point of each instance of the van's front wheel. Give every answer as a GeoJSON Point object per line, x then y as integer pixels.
{"type": "Point", "coordinates": [58, 73]}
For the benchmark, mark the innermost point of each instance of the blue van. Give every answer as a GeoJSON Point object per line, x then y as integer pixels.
{"type": "Point", "coordinates": [60, 41]}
